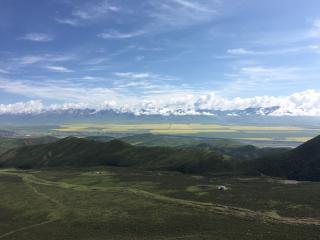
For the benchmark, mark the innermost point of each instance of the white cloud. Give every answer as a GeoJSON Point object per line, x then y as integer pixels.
{"type": "Point", "coordinates": [239, 51]}
{"type": "Point", "coordinates": [144, 75]}
{"type": "Point", "coordinates": [61, 91]}
{"type": "Point", "coordinates": [315, 31]}
{"type": "Point", "coordinates": [258, 79]}
{"type": "Point", "coordinates": [38, 37]}
{"type": "Point", "coordinates": [112, 34]}
{"type": "Point", "coordinates": [67, 21]}
{"type": "Point", "coordinates": [90, 78]}
{"type": "Point", "coordinates": [269, 73]}
{"type": "Point", "coordinates": [90, 11]}
{"type": "Point", "coordinates": [22, 107]}
{"type": "Point", "coordinates": [165, 100]}
{"type": "Point", "coordinates": [243, 51]}
{"type": "Point", "coordinates": [192, 5]}
{"type": "Point", "coordinates": [172, 14]}
{"type": "Point", "coordinates": [132, 75]}
{"type": "Point", "coordinates": [59, 69]}
{"type": "Point", "coordinates": [33, 59]}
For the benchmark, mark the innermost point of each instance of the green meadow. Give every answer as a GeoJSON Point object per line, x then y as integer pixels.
{"type": "Point", "coordinates": [120, 203]}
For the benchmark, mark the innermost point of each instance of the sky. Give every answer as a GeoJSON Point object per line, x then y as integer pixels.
{"type": "Point", "coordinates": [162, 56]}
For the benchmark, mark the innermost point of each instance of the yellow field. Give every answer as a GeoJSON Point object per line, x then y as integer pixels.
{"type": "Point", "coordinates": [158, 128]}
{"type": "Point", "coordinates": [287, 139]}
{"type": "Point", "coordinates": [256, 139]}
{"type": "Point", "coordinates": [298, 139]}
{"type": "Point", "coordinates": [173, 128]}
{"type": "Point", "coordinates": [191, 131]}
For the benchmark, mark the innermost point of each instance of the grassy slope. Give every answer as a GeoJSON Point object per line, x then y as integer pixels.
{"type": "Point", "coordinates": [82, 205]}
{"type": "Point", "coordinates": [227, 147]}
{"type": "Point", "coordinates": [152, 140]}
{"type": "Point", "coordinates": [83, 153]}
{"type": "Point", "coordinates": [7, 143]}
{"type": "Point", "coordinates": [302, 163]}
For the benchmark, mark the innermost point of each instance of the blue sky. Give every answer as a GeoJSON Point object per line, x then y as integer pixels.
{"type": "Point", "coordinates": [169, 52]}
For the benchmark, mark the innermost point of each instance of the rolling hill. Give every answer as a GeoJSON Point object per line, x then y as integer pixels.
{"type": "Point", "coordinates": [78, 152]}
{"type": "Point", "coordinates": [301, 163]}
{"type": "Point", "coordinates": [7, 143]}
{"type": "Point", "coordinates": [227, 147]}
{"type": "Point", "coordinates": [153, 140]}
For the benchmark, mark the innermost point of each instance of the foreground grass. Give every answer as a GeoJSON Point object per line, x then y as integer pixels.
{"type": "Point", "coordinates": [121, 204]}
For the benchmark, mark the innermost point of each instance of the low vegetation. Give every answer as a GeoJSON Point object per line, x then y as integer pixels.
{"type": "Point", "coordinates": [302, 163]}
{"type": "Point", "coordinates": [98, 188]}
{"type": "Point", "coordinates": [83, 153]}
{"type": "Point", "coordinates": [120, 203]}
{"type": "Point", "coordinates": [7, 143]}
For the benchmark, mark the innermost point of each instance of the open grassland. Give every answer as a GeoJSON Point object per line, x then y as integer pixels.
{"type": "Point", "coordinates": [128, 204]}
{"type": "Point", "coordinates": [173, 128]}
{"type": "Point", "coordinates": [265, 134]}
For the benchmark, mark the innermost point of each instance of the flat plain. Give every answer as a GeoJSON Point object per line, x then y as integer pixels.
{"type": "Point", "coordinates": [258, 135]}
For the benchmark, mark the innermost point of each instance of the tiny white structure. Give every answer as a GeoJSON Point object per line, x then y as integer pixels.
{"type": "Point", "coordinates": [99, 173]}
{"type": "Point", "coordinates": [222, 188]}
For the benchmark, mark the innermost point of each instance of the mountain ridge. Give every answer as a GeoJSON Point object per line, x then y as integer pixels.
{"type": "Point", "coordinates": [76, 152]}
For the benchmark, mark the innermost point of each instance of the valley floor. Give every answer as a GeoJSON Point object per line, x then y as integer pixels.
{"type": "Point", "coordinates": [119, 203]}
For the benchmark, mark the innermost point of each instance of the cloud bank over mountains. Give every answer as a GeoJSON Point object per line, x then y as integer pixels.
{"type": "Point", "coordinates": [306, 103]}
{"type": "Point", "coordinates": [168, 57]}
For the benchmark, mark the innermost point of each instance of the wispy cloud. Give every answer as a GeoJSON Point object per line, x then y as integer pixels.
{"type": "Point", "coordinates": [68, 21]}
{"type": "Point", "coordinates": [196, 6]}
{"type": "Point", "coordinates": [44, 58]}
{"type": "Point", "coordinates": [269, 73]}
{"type": "Point", "coordinates": [93, 96]}
{"type": "Point", "coordinates": [3, 71]}
{"type": "Point", "coordinates": [144, 75]}
{"type": "Point", "coordinates": [244, 51]}
{"type": "Point", "coordinates": [89, 12]}
{"type": "Point", "coordinates": [132, 75]}
{"type": "Point", "coordinates": [60, 69]}
{"type": "Point", "coordinates": [258, 79]}
{"type": "Point", "coordinates": [90, 78]}
{"type": "Point", "coordinates": [295, 36]}
{"type": "Point", "coordinates": [168, 14]}
{"type": "Point", "coordinates": [113, 34]}
{"type": "Point", "coordinates": [38, 37]}
{"type": "Point", "coordinates": [240, 51]}
{"type": "Point", "coordinates": [315, 30]}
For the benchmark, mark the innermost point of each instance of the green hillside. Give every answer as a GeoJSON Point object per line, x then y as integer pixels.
{"type": "Point", "coordinates": [226, 147]}
{"type": "Point", "coordinates": [7, 143]}
{"type": "Point", "coordinates": [84, 153]}
{"type": "Point", "coordinates": [152, 140]}
{"type": "Point", "coordinates": [302, 163]}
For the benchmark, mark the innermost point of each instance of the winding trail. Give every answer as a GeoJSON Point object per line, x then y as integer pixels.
{"type": "Point", "coordinates": [214, 208]}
